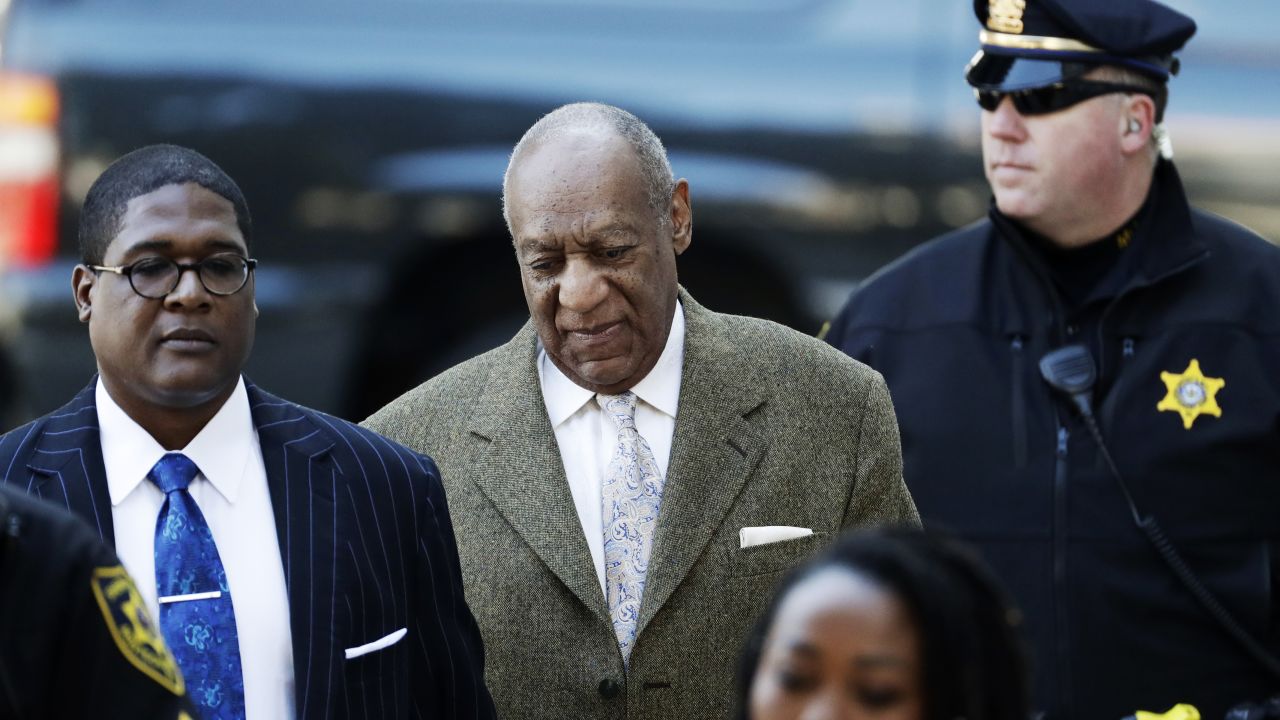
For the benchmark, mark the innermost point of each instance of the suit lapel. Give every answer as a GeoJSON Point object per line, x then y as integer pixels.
{"type": "Point", "coordinates": [521, 472]}
{"type": "Point", "coordinates": [713, 452]}
{"type": "Point", "coordinates": [67, 467]}
{"type": "Point", "coordinates": [303, 479]}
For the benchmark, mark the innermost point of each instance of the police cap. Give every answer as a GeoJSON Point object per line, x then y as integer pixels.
{"type": "Point", "coordinates": [1033, 43]}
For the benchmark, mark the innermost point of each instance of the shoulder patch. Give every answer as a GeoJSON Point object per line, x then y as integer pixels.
{"type": "Point", "coordinates": [137, 637]}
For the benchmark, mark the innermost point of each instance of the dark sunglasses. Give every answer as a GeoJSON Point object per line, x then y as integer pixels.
{"type": "Point", "coordinates": [1052, 98]}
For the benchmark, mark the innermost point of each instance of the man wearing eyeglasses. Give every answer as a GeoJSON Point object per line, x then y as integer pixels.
{"type": "Point", "coordinates": [296, 565]}
{"type": "Point", "coordinates": [1090, 242]}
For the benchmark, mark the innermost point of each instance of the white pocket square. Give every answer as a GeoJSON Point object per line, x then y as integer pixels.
{"type": "Point", "coordinates": [376, 645]}
{"type": "Point", "coordinates": [750, 536]}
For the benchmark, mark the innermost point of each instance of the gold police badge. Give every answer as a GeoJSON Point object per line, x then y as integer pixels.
{"type": "Point", "coordinates": [1191, 394]}
{"type": "Point", "coordinates": [131, 627]}
{"type": "Point", "coordinates": [1006, 15]}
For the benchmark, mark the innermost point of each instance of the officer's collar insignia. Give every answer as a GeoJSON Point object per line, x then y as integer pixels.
{"type": "Point", "coordinates": [131, 627]}
{"type": "Point", "coordinates": [1005, 16]}
{"type": "Point", "coordinates": [1124, 236]}
{"type": "Point", "coordinates": [1191, 394]}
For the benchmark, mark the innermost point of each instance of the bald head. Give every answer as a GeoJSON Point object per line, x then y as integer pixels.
{"type": "Point", "coordinates": [599, 119]}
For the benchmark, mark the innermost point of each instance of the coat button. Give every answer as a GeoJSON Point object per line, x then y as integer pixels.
{"type": "Point", "coordinates": [609, 689]}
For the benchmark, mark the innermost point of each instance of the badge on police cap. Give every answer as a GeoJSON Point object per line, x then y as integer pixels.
{"type": "Point", "coordinates": [1006, 15]}
{"type": "Point", "coordinates": [132, 629]}
{"type": "Point", "coordinates": [1191, 394]}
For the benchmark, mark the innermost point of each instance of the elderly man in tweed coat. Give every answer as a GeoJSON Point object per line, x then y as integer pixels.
{"type": "Point", "coordinates": [631, 473]}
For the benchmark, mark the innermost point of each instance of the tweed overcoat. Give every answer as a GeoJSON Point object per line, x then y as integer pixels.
{"type": "Point", "coordinates": [773, 428]}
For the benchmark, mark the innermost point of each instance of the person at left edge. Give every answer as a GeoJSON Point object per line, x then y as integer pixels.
{"type": "Point", "coordinates": [75, 641]}
{"type": "Point", "coordinates": [333, 543]}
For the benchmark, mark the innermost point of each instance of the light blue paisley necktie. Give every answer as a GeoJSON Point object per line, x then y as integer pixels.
{"type": "Point", "coordinates": [632, 496]}
{"type": "Point", "coordinates": [196, 616]}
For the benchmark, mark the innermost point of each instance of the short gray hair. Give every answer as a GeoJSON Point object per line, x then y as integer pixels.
{"type": "Point", "coordinates": [1159, 93]}
{"type": "Point", "coordinates": [659, 180]}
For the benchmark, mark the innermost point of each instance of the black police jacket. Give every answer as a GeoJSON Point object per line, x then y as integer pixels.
{"type": "Point", "coordinates": [1188, 401]}
{"type": "Point", "coordinates": [75, 639]}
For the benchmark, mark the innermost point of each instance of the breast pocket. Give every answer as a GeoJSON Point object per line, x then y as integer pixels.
{"type": "Point", "coordinates": [374, 646]}
{"type": "Point", "coordinates": [776, 556]}
{"type": "Point", "coordinates": [369, 666]}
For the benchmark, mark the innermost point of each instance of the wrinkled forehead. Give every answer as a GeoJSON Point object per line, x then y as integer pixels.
{"type": "Point", "coordinates": [575, 176]}
{"type": "Point", "coordinates": [179, 214]}
{"type": "Point", "coordinates": [574, 161]}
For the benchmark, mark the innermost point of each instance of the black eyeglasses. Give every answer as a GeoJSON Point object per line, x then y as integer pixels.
{"type": "Point", "coordinates": [1052, 98]}
{"type": "Point", "coordinates": [156, 277]}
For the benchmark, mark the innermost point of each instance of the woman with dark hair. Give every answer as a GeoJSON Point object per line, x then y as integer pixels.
{"type": "Point", "coordinates": [888, 623]}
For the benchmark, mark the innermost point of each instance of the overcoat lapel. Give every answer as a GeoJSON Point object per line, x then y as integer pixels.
{"type": "Point", "coordinates": [66, 463]}
{"type": "Point", "coordinates": [713, 452]}
{"type": "Point", "coordinates": [521, 472]}
{"type": "Point", "coordinates": [303, 480]}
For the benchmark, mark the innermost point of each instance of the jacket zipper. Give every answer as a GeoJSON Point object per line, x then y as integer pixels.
{"type": "Point", "coordinates": [1131, 287]}
{"type": "Point", "coordinates": [1060, 572]}
{"type": "Point", "coordinates": [1019, 409]}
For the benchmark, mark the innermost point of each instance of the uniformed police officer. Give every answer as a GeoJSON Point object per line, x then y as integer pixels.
{"type": "Point", "coordinates": [1090, 243]}
{"type": "Point", "coordinates": [75, 638]}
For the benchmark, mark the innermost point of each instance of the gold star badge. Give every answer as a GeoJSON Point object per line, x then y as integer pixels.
{"type": "Point", "coordinates": [1191, 394]}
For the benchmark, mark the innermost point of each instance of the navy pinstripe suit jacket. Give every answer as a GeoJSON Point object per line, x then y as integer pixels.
{"type": "Point", "coordinates": [367, 545]}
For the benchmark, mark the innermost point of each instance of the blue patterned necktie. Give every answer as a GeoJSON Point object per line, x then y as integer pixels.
{"type": "Point", "coordinates": [196, 616]}
{"type": "Point", "coordinates": [631, 496]}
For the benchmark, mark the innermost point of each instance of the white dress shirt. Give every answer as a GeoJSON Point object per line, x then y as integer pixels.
{"type": "Point", "coordinates": [587, 436]}
{"type": "Point", "coordinates": [232, 493]}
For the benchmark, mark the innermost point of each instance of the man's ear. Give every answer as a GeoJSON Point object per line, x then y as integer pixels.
{"type": "Point", "coordinates": [681, 217]}
{"type": "Point", "coordinates": [1138, 121]}
{"type": "Point", "coordinates": [82, 281]}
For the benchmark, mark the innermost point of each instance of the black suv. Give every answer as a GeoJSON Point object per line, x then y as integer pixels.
{"type": "Point", "coordinates": [822, 138]}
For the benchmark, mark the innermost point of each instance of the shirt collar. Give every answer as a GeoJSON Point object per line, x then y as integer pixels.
{"type": "Point", "coordinates": [221, 448]}
{"type": "Point", "coordinates": [660, 388]}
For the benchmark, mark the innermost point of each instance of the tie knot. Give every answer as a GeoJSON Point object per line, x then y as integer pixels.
{"type": "Point", "coordinates": [174, 471]}
{"type": "Point", "coordinates": [622, 408]}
